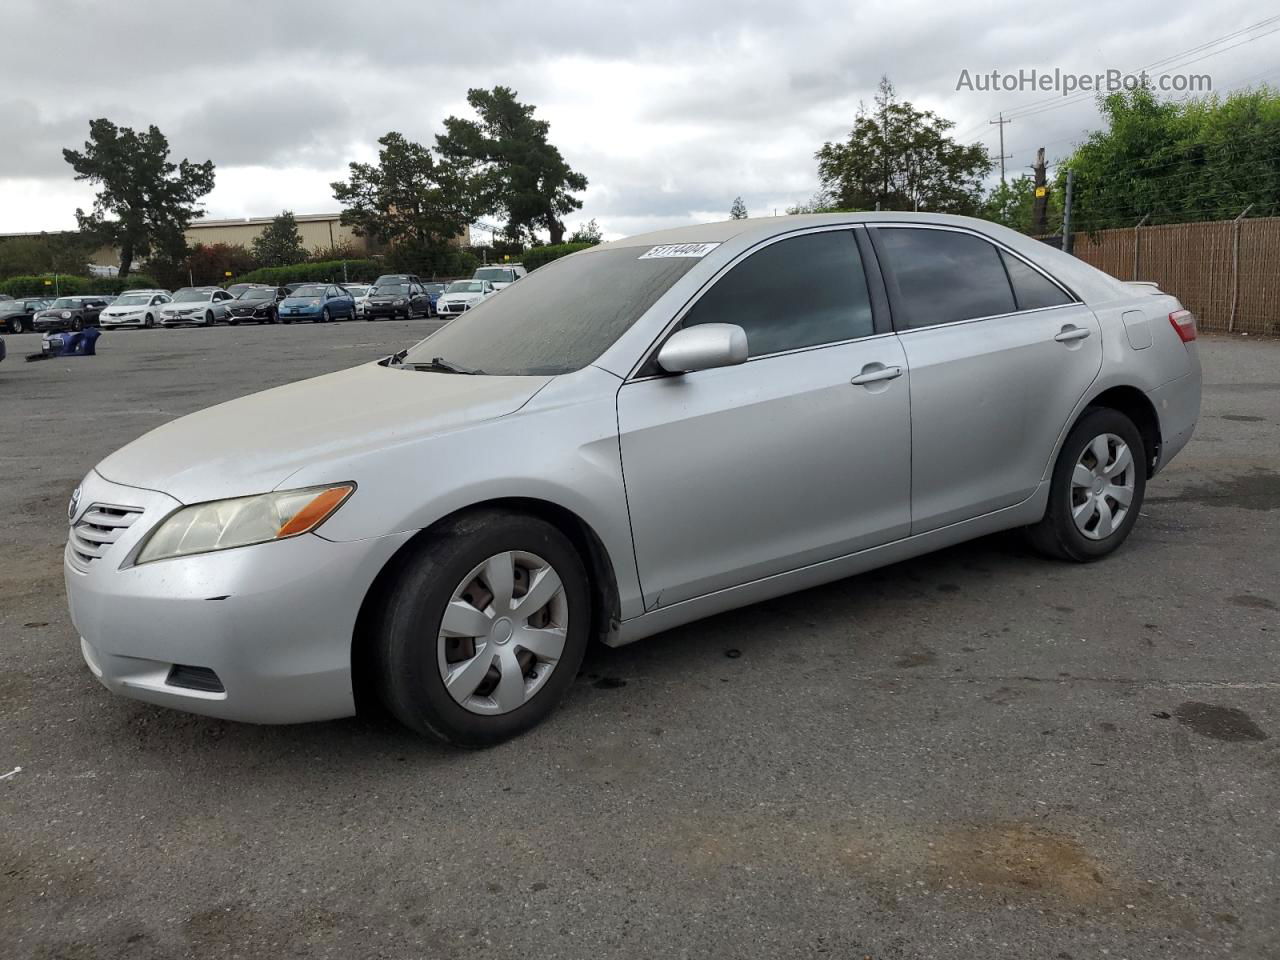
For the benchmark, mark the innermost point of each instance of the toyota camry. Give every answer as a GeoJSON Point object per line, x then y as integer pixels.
{"type": "Point", "coordinates": [630, 438]}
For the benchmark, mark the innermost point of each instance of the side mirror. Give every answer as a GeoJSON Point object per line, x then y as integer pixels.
{"type": "Point", "coordinates": [704, 347]}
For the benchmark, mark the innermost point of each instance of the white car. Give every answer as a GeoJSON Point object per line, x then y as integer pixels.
{"type": "Point", "coordinates": [199, 306]}
{"type": "Point", "coordinates": [359, 293]}
{"type": "Point", "coordinates": [134, 308]}
{"type": "Point", "coordinates": [461, 295]}
{"type": "Point", "coordinates": [502, 276]}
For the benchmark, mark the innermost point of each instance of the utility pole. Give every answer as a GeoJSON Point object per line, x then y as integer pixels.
{"type": "Point", "coordinates": [1040, 205]}
{"type": "Point", "coordinates": [1066, 214]}
{"type": "Point", "coordinates": [1003, 156]}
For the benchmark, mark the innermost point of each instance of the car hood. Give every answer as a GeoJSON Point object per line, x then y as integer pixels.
{"type": "Point", "coordinates": [253, 444]}
{"type": "Point", "coordinates": [129, 308]}
{"type": "Point", "coordinates": [300, 302]}
{"type": "Point", "coordinates": [185, 304]}
{"type": "Point", "coordinates": [460, 297]}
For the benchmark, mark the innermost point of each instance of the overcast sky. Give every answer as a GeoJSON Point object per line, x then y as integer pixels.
{"type": "Point", "coordinates": [671, 109]}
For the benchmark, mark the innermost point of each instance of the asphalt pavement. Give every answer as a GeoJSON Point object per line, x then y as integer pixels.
{"type": "Point", "coordinates": [974, 754]}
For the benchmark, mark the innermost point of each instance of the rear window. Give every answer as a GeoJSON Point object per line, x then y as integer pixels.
{"type": "Point", "coordinates": [557, 319]}
{"type": "Point", "coordinates": [944, 276]}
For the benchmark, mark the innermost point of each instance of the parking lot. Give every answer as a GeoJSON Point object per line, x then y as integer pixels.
{"type": "Point", "coordinates": [974, 754]}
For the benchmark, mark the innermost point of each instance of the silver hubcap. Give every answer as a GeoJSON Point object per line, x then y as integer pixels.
{"type": "Point", "coordinates": [503, 633]}
{"type": "Point", "coordinates": [1102, 486]}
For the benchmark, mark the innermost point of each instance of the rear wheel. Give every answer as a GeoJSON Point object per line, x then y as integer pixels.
{"type": "Point", "coordinates": [1096, 491]}
{"type": "Point", "coordinates": [485, 629]}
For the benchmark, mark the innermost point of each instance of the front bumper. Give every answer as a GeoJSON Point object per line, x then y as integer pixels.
{"type": "Point", "coordinates": [452, 309]}
{"type": "Point", "coordinates": [170, 320]}
{"type": "Point", "coordinates": [300, 313]}
{"type": "Point", "coordinates": [129, 321]}
{"type": "Point", "coordinates": [50, 325]}
{"type": "Point", "coordinates": [274, 621]}
{"type": "Point", "coordinates": [386, 310]}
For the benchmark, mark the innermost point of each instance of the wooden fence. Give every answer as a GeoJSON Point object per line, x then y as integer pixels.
{"type": "Point", "coordinates": [1226, 272]}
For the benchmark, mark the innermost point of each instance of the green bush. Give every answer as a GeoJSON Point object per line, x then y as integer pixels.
{"type": "Point", "coordinates": [319, 271]}
{"type": "Point", "coordinates": [71, 286]}
{"type": "Point", "coordinates": [537, 256]}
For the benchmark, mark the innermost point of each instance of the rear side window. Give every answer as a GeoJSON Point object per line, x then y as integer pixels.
{"type": "Point", "coordinates": [801, 292]}
{"type": "Point", "coordinates": [1031, 288]}
{"type": "Point", "coordinates": [944, 276]}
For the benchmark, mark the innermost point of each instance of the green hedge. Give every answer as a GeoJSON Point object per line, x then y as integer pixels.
{"type": "Point", "coordinates": [537, 256]}
{"type": "Point", "coordinates": [70, 286]}
{"type": "Point", "coordinates": [313, 272]}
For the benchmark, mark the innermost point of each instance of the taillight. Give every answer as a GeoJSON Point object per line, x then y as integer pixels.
{"type": "Point", "coordinates": [1184, 322]}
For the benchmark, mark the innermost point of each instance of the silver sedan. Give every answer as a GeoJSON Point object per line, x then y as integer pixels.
{"type": "Point", "coordinates": [629, 439]}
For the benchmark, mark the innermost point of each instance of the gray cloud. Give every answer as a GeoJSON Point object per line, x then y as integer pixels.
{"type": "Point", "coordinates": [670, 108]}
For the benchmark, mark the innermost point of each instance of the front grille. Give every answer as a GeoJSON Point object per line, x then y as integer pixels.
{"type": "Point", "coordinates": [194, 678]}
{"type": "Point", "coordinates": [101, 526]}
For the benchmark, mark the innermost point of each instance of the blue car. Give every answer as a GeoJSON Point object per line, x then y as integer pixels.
{"type": "Point", "coordinates": [317, 302]}
{"type": "Point", "coordinates": [433, 293]}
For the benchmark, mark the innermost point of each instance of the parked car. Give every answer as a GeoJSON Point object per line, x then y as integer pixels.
{"type": "Point", "coordinates": [319, 303]}
{"type": "Point", "coordinates": [196, 306]}
{"type": "Point", "coordinates": [256, 303]}
{"type": "Point", "coordinates": [70, 313]}
{"type": "Point", "coordinates": [388, 278]}
{"type": "Point", "coordinates": [394, 298]}
{"type": "Point", "coordinates": [134, 308]}
{"type": "Point", "coordinates": [2, 349]}
{"type": "Point", "coordinates": [502, 276]}
{"type": "Point", "coordinates": [236, 289]}
{"type": "Point", "coordinates": [19, 315]}
{"type": "Point", "coordinates": [359, 293]}
{"type": "Point", "coordinates": [632, 437]}
{"type": "Point", "coordinates": [434, 291]}
{"type": "Point", "coordinates": [461, 295]}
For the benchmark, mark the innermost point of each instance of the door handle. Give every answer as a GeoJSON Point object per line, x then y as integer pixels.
{"type": "Point", "coordinates": [870, 375]}
{"type": "Point", "coordinates": [1067, 334]}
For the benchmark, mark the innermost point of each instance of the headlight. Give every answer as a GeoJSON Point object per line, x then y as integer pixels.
{"type": "Point", "coordinates": [239, 522]}
{"type": "Point", "coordinates": [66, 314]}
{"type": "Point", "coordinates": [314, 302]}
{"type": "Point", "coordinates": [399, 303]}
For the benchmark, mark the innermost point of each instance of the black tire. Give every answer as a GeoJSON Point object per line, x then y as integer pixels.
{"type": "Point", "coordinates": [148, 322]}
{"type": "Point", "coordinates": [15, 324]}
{"type": "Point", "coordinates": [208, 319]}
{"type": "Point", "coordinates": [77, 324]}
{"type": "Point", "coordinates": [273, 317]}
{"type": "Point", "coordinates": [233, 322]}
{"type": "Point", "coordinates": [324, 315]}
{"type": "Point", "coordinates": [1056, 535]}
{"type": "Point", "coordinates": [407, 670]}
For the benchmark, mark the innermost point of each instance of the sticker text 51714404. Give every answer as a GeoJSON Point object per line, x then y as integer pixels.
{"type": "Point", "coordinates": [678, 250]}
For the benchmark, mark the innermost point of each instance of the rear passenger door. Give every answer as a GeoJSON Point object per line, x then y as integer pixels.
{"type": "Point", "coordinates": [999, 354]}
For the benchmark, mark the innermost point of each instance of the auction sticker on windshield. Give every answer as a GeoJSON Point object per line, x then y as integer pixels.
{"type": "Point", "coordinates": [678, 250]}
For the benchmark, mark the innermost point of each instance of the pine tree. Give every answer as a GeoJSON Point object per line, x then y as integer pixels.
{"type": "Point", "coordinates": [739, 210]}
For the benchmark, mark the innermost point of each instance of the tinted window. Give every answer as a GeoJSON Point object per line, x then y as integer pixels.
{"type": "Point", "coordinates": [794, 293]}
{"type": "Point", "coordinates": [560, 318]}
{"type": "Point", "coordinates": [1032, 289]}
{"type": "Point", "coordinates": [944, 276]}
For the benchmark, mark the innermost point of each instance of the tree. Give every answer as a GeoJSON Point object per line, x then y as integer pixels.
{"type": "Point", "coordinates": [1010, 203]}
{"type": "Point", "coordinates": [511, 167]}
{"type": "Point", "coordinates": [1177, 161]}
{"type": "Point", "coordinates": [145, 202]}
{"type": "Point", "coordinates": [280, 244]}
{"type": "Point", "coordinates": [588, 232]}
{"type": "Point", "coordinates": [739, 210]}
{"type": "Point", "coordinates": [45, 253]}
{"type": "Point", "coordinates": [408, 199]}
{"type": "Point", "coordinates": [210, 263]}
{"type": "Point", "coordinates": [902, 159]}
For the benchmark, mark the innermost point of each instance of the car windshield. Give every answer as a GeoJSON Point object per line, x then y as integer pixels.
{"type": "Point", "coordinates": [390, 289]}
{"type": "Point", "coordinates": [62, 303]}
{"type": "Point", "coordinates": [357, 290]}
{"type": "Point", "coordinates": [434, 288]}
{"type": "Point", "coordinates": [256, 293]}
{"type": "Point", "coordinates": [309, 290]}
{"type": "Point", "coordinates": [133, 300]}
{"type": "Point", "coordinates": [557, 319]}
{"type": "Point", "coordinates": [191, 296]}
{"type": "Point", "coordinates": [464, 286]}
{"type": "Point", "coordinates": [499, 274]}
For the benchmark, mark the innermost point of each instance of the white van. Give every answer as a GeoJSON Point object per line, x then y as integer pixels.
{"type": "Point", "coordinates": [500, 276]}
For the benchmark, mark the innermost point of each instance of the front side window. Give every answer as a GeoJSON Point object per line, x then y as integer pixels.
{"type": "Point", "coordinates": [1032, 289]}
{"type": "Point", "coordinates": [800, 292]}
{"type": "Point", "coordinates": [944, 276]}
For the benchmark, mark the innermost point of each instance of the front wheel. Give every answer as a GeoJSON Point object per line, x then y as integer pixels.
{"type": "Point", "coordinates": [1096, 491]}
{"type": "Point", "coordinates": [77, 324]}
{"type": "Point", "coordinates": [485, 629]}
{"type": "Point", "coordinates": [324, 315]}
{"type": "Point", "coordinates": [15, 325]}
{"type": "Point", "coordinates": [148, 321]}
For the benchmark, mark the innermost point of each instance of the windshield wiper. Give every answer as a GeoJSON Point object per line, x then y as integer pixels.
{"type": "Point", "coordinates": [442, 365]}
{"type": "Point", "coordinates": [395, 358]}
